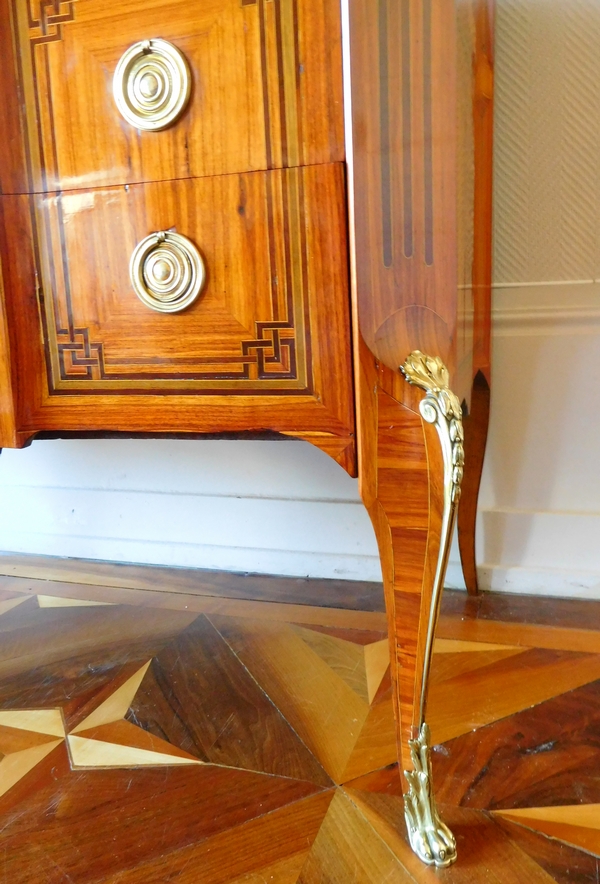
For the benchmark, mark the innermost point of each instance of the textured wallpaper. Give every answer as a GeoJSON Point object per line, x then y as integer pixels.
{"type": "Point", "coordinates": [547, 200]}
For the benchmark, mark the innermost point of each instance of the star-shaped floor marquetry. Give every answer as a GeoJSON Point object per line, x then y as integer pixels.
{"type": "Point", "coordinates": [103, 739]}
{"type": "Point", "coordinates": [263, 749]}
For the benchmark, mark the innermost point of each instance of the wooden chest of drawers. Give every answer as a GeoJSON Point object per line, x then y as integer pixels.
{"type": "Point", "coordinates": [263, 215]}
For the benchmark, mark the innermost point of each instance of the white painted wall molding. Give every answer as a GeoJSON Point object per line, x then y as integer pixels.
{"type": "Point", "coordinates": [554, 308]}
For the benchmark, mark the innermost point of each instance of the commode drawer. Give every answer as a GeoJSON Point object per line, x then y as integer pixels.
{"type": "Point", "coordinates": [222, 85]}
{"type": "Point", "coordinates": [185, 291]}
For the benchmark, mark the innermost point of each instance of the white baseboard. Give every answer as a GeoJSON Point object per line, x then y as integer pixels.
{"type": "Point", "coordinates": [555, 582]}
{"type": "Point", "coordinates": [539, 581]}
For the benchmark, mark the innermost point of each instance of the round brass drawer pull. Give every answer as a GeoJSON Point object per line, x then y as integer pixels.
{"type": "Point", "coordinates": [167, 271]}
{"type": "Point", "coordinates": [152, 84]}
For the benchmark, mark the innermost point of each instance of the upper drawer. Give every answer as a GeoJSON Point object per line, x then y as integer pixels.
{"type": "Point", "coordinates": [265, 78]}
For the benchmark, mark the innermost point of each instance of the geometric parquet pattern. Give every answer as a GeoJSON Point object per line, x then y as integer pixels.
{"type": "Point", "coordinates": [158, 738]}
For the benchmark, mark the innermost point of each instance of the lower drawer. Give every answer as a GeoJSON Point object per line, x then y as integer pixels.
{"type": "Point", "coordinates": [266, 345]}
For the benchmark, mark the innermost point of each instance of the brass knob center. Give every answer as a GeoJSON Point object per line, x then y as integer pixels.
{"type": "Point", "coordinates": [149, 85]}
{"type": "Point", "coordinates": [161, 271]}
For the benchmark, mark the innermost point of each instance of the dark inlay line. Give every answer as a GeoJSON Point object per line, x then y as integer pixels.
{"type": "Point", "coordinates": [281, 82]}
{"type": "Point", "coordinates": [407, 132]}
{"type": "Point", "coordinates": [427, 133]}
{"type": "Point", "coordinates": [38, 116]}
{"type": "Point", "coordinates": [305, 301]}
{"type": "Point", "coordinates": [297, 68]}
{"type": "Point", "coordinates": [274, 279]}
{"type": "Point", "coordinates": [65, 264]}
{"type": "Point", "coordinates": [59, 207]}
{"type": "Point", "coordinates": [262, 388]}
{"type": "Point", "coordinates": [265, 82]}
{"type": "Point", "coordinates": [287, 250]}
{"type": "Point", "coordinates": [40, 294]}
{"type": "Point", "coordinates": [384, 127]}
{"type": "Point", "coordinates": [21, 88]}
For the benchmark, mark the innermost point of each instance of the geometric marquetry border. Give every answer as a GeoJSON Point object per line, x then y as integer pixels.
{"type": "Point", "coordinates": [275, 361]}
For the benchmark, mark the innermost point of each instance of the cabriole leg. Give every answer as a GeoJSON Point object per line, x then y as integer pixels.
{"type": "Point", "coordinates": [476, 430]}
{"type": "Point", "coordinates": [412, 496]}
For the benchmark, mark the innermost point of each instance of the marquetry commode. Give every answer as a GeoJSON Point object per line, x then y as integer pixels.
{"type": "Point", "coordinates": [223, 216]}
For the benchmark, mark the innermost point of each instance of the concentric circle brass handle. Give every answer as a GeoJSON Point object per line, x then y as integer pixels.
{"type": "Point", "coordinates": [152, 84]}
{"type": "Point", "coordinates": [167, 271]}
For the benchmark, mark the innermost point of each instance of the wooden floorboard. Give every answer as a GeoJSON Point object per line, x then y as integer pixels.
{"type": "Point", "coordinates": [350, 594]}
{"type": "Point", "coordinates": [224, 731]}
{"type": "Point", "coordinates": [353, 594]}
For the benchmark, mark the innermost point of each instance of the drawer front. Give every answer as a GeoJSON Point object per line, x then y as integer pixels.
{"type": "Point", "coordinates": [269, 330]}
{"type": "Point", "coordinates": [265, 89]}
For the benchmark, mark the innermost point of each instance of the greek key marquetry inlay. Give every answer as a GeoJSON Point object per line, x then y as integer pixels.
{"type": "Point", "coordinates": [271, 355]}
{"type": "Point", "coordinates": [271, 359]}
{"type": "Point", "coordinates": [47, 18]}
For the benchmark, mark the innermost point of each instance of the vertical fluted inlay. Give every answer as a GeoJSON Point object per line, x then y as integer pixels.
{"type": "Point", "coordinates": [407, 130]}
{"type": "Point", "coordinates": [384, 126]}
{"type": "Point", "coordinates": [427, 133]}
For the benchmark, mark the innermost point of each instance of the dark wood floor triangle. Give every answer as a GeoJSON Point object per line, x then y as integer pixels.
{"type": "Point", "coordinates": [200, 697]}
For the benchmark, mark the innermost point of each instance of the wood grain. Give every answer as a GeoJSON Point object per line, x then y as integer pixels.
{"type": "Point", "coordinates": [403, 177]}
{"type": "Point", "coordinates": [265, 346]}
{"type": "Point", "coordinates": [482, 15]}
{"type": "Point", "coordinates": [347, 849]}
{"type": "Point", "coordinates": [212, 707]}
{"type": "Point", "coordinates": [476, 429]}
{"type": "Point", "coordinates": [171, 601]}
{"type": "Point", "coordinates": [562, 862]}
{"type": "Point", "coordinates": [525, 634]}
{"type": "Point", "coordinates": [473, 699]}
{"type": "Point", "coordinates": [544, 755]}
{"type": "Point", "coordinates": [401, 485]}
{"type": "Point", "coordinates": [272, 847]}
{"type": "Point", "coordinates": [347, 594]}
{"type": "Point", "coordinates": [323, 710]}
{"type": "Point", "coordinates": [52, 635]}
{"type": "Point", "coordinates": [419, 147]}
{"type": "Point", "coordinates": [577, 825]}
{"type": "Point", "coordinates": [252, 106]}
{"type": "Point", "coordinates": [138, 827]}
{"type": "Point", "coordinates": [255, 693]}
{"type": "Point", "coordinates": [498, 859]}
{"type": "Point", "coordinates": [507, 607]}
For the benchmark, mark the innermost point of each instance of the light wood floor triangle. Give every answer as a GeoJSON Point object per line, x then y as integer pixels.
{"type": "Point", "coordinates": [117, 705]}
{"type": "Point", "coordinates": [124, 733]}
{"type": "Point", "coordinates": [377, 663]}
{"type": "Point", "coordinates": [577, 824]}
{"type": "Point", "coordinates": [344, 658]}
{"type": "Point", "coordinates": [95, 753]}
{"type": "Point", "coordinates": [15, 766]}
{"type": "Point", "coordinates": [56, 601]}
{"type": "Point", "coordinates": [41, 721]}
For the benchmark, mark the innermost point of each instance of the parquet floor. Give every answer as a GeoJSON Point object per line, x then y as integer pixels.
{"type": "Point", "coordinates": [157, 731]}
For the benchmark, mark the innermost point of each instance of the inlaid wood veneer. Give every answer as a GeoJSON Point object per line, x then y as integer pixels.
{"type": "Point", "coordinates": [328, 169]}
{"type": "Point", "coordinates": [208, 742]}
